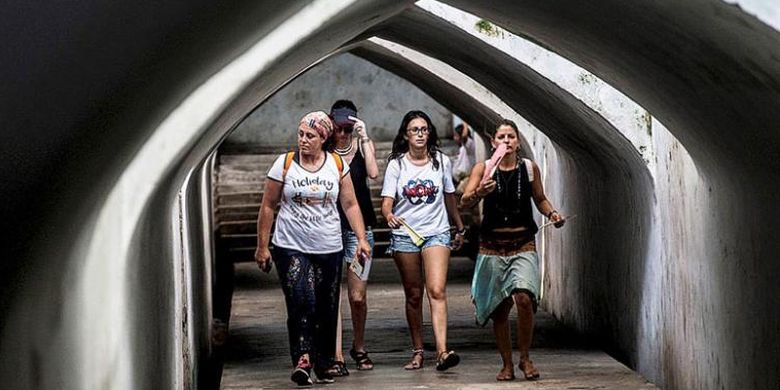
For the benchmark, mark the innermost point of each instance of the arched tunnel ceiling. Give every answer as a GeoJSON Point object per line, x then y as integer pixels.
{"type": "Point", "coordinates": [699, 66]}
{"type": "Point", "coordinates": [577, 129]}
{"type": "Point", "coordinates": [467, 106]}
{"type": "Point", "coordinates": [74, 156]}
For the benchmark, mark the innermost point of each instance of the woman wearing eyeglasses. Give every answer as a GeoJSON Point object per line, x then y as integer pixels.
{"type": "Point", "coordinates": [418, 197]}
{"type": "Point", "coordinates": [351, 142]}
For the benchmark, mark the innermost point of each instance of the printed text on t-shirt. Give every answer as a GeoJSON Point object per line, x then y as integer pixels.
{"type": "Point", "coordinates": [419, 191]}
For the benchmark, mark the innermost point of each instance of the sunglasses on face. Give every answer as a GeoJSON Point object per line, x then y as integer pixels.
{"type": "Point", "coordinates": [418, 130]}
{"type": "Point", "coordinates": [344, 130]}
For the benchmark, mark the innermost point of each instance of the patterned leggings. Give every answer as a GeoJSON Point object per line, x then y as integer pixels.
{"type": "Point", "coordinates": [311, 284]}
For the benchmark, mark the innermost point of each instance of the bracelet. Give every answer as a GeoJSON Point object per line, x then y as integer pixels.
{"type": "Point", "coordinates": [549, 215]}
{"type": "Point", "coordinates": [460, 232]}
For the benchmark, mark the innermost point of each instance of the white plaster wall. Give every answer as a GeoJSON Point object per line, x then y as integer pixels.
{"type": "Point", "coordinates": [687, 331]}
{"type": "Point", "coordinates": [631, 119]}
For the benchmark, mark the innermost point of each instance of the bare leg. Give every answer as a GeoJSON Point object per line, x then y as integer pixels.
{"type": "Point", "coordinates": [359, 306]}
{"type": "Point", "coordinates": [436, 262]}
{"type": "Point", "coordinates": [410, 267]}
{"type": "Point", "coordinates": [525, 329]}
{"type": "Point", "coordinates": [504, 339]}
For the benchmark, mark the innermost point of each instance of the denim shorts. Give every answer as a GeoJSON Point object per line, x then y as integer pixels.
{"type": "Point", "coordinates": [403, 243]}
{"type": "Point", "coordinates": [350, 242]}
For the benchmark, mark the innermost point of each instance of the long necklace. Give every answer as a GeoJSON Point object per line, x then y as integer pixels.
{"type": "Point", "coordinates": [500, 178]}
{"type": "Point", "coordinates": [345, 151]}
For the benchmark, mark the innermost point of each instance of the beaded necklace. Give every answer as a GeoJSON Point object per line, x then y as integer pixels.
{"type": "Point", "coordinates": [345, 151]}
{"type": "Point", "coordinates": [500, 178]}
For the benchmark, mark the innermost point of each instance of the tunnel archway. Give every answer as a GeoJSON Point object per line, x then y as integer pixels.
{"type": "Point", "coordinates": [699, 101]}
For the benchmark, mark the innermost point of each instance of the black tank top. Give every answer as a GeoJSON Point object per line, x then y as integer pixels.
{"type": "Point", "coordinates": [509, 206]}
{"type": "Point", "coordinates": [359, 174]}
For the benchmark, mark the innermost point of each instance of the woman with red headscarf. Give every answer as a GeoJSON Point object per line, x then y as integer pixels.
{"type": "Point", "coordinates": [307, 242]}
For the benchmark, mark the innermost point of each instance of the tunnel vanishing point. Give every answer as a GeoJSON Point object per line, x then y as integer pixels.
{"type": "Point", "coordinates": [111, 112]}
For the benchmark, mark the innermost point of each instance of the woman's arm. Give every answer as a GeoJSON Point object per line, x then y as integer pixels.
{"type": "Point", "coordinates": [369, 153]}
{"type": "Point", "coordinates": [265, 218]}
{"type": "Point", "coordinates": [540, 199]}
{"type": "Point", "coordinates": [475, 190]}
{"type": "Point", "coordinates": [387, 212]}
{"type": "Point", "coordinates": [450, 202]}
{"type": "Point", "coordinates": [352, 210]}
{"type": "Point", "coordinates": [366, 147]}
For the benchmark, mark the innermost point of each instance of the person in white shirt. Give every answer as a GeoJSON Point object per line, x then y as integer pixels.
{"type": "Point", "coordinates": [418, 197]}
{"type": "Point", "coordinates": [307, 242]}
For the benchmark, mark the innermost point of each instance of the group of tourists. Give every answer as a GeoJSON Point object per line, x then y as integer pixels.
{"type": "Point", "coordinates": [325, 222]}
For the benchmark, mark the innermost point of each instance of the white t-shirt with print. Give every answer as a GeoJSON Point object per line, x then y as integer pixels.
{"type": "Point", "coordinates": [308, 220]}
{"type": "Point", "coordinates": [419, 194]}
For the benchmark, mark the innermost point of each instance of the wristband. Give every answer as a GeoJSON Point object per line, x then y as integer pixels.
{"type": "Point", "coordinates": [460, 232]}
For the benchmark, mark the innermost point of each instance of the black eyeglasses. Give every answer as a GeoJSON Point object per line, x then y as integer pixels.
{"type": "Point", "coordinates": [418, 130]}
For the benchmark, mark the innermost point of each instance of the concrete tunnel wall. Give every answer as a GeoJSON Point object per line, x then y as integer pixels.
{"type": "Point", "coordinates": [43, 314]}
{"type": "Point", "coordinates": [709, 72]}
{"type": "Point", "coordinates": [153, 97]}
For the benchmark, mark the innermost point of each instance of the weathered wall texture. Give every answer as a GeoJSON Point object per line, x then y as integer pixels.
{"type": "Point", "coordinates": [672, 260]}
{"type": "Point", "coordinates": [382, 99]}
{"type": "Point", "coordinates": [693, 308]}
{"type": "Point", "coordinates": [94, 287]}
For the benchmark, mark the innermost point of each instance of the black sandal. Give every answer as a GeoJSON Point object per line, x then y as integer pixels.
{"type": "Point", "coordinates": [338, 369]}
{"type": "Point", "coordinates": [447, 360]}
{"type": "Point", "coordinates": [361, 359]}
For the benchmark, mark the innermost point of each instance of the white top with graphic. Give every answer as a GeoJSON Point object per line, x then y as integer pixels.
{"type": "Point", "coordinates": [418, 194]}
{"type": "Point", "coordinates": [308, 220]}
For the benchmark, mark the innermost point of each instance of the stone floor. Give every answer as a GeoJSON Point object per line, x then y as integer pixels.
{"type": "Point", "coordinates": [257, 352]}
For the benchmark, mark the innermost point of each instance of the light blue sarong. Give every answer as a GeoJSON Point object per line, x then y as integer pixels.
{"type": "Point", "coordinates": [498, 277]}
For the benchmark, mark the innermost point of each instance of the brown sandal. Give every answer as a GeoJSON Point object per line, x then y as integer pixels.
{"type": "Point", "coordinates": [414, 364]}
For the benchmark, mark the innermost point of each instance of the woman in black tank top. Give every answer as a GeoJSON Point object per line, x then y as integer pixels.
{"type": "Point", "coordinates": [507, 269]}
{"type": "Point", "coordinates": [351, 142]}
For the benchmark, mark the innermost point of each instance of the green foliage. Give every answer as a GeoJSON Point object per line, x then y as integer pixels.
{"type": "Point", "coordinates": [488, 28]}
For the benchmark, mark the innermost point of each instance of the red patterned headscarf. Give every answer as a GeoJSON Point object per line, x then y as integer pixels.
{"type": "Point", "coordinates": [319, 122]}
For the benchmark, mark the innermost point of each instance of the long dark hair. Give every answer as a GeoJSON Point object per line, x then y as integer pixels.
{"type": "Point", "coordinates": [401, 146]}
